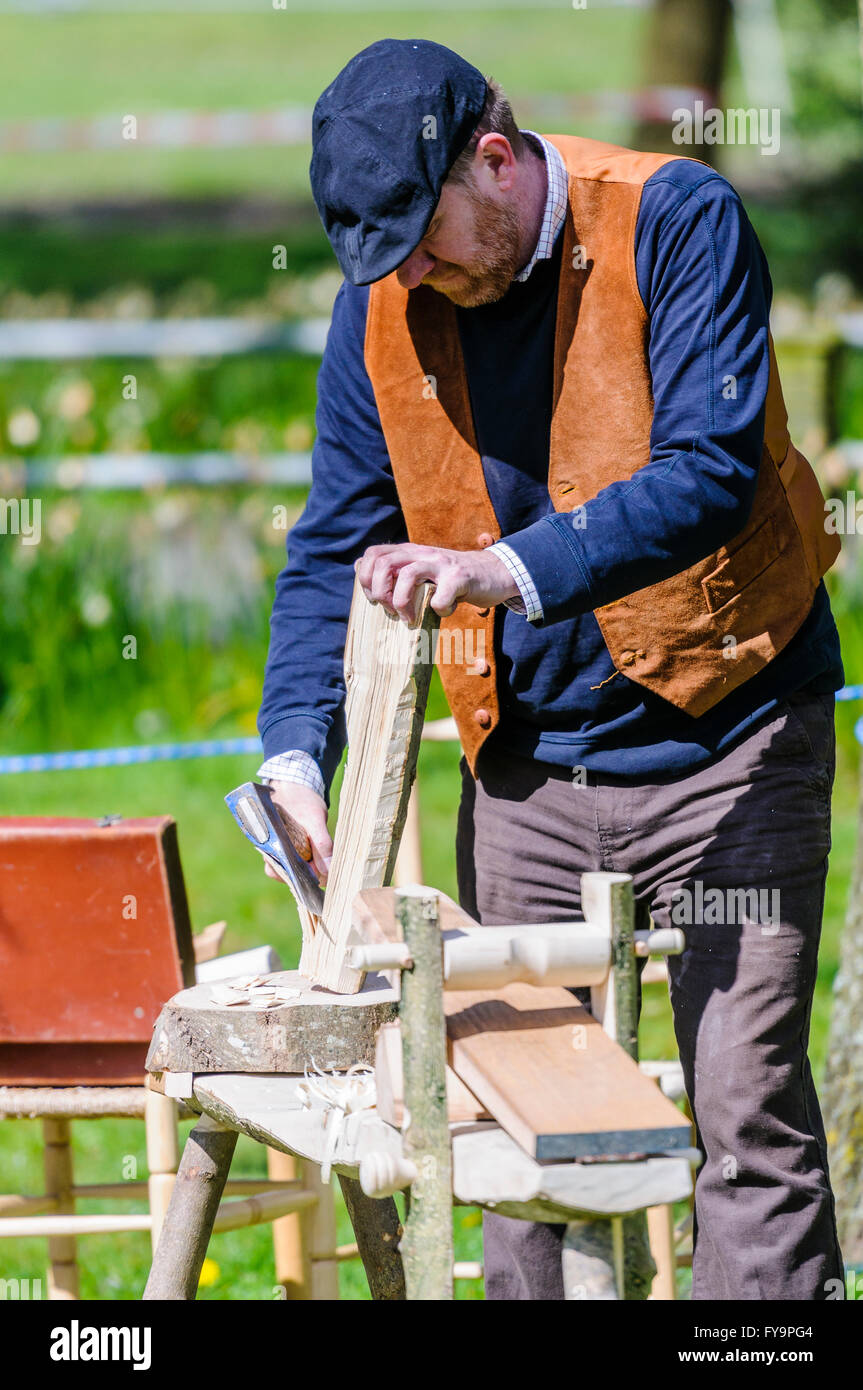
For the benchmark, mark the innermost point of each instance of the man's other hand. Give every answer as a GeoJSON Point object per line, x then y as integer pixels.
{"type": "Point", "coordinates": [392, 574]}
{"type": "Point", "coordinates": [309, 811]}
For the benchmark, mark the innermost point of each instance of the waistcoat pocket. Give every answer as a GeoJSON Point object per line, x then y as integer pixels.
{"type": "Point", "coordinates": [738, 570]}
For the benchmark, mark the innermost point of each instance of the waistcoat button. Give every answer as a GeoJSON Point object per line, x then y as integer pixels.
{"type": "Point", "coordinates": [480, 667]}
{"type": "Point", "coordinates": [483, 612]}
{"type": "Point", "coordinates": [482, 717]}
{"type": "Point", "coordinates": [483, 539]}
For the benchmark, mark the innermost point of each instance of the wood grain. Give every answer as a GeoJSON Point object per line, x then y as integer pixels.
{"type": "Point", "coordinates": [195, 1034]}
{"type": "Point", "coordinates": [388, 667]}
{"type": "Point", "coordinates": [427, 1244]}
{"type": "Point", "coordinates": [374, 915]}
{"type": "Point", "coordinates": [550, 1075]}
{"type": "Point", "coordinates": [462, 1106]}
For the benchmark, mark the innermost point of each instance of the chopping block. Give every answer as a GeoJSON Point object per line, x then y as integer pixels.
{"type": "Point", "coordinates": [196, 1032]}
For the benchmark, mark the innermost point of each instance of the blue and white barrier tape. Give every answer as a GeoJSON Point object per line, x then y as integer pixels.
{"type": "Point", "coordinates": [853, 692]}
{"type": "Point", "coordinates": [124, 757]}
{"type": "Point", "coordinates": [206, 748]}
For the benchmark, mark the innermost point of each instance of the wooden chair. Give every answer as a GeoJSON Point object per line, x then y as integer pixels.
{"type": "Point", "coordinates": [94, 935]}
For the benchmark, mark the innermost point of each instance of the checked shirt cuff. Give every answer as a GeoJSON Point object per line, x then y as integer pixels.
{"type": "Point", "coordinates": [293, 766]}
{"type": "Point", "coordinates": [529, 603]}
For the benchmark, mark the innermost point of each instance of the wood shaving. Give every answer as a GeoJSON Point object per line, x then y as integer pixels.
{"type": "Point", "coordinates": [340, 1094]}
{"type": "Point", "coordinates": [254, 991]}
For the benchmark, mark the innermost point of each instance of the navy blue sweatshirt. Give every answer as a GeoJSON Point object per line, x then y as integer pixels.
{"type": "Point", "coordinates": [705, 285]}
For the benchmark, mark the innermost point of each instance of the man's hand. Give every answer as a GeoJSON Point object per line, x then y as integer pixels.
{"type": "Point", "coordinates": [392, 574]}
{"type": "Point", "coordinates": [310, 811]}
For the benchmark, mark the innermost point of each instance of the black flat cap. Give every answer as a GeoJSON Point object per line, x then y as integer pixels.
{"type": "Point", "coordinates": [385, 135]}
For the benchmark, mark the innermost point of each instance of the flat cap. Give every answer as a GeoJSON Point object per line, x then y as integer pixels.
{"type": "Point", "coordinates": [385, 134]}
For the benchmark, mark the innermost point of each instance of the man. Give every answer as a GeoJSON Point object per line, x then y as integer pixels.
{"type": "Point", "coordinates": [549, 388]}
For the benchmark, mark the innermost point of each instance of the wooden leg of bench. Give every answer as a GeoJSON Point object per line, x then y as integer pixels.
{"type": "Point", "coordinates": [588, 1256]}
{"type": "Point", "coordinates": [62, 1250]}
{"type": "Point", "coordinates": [427, 1244]}
{"type": "Point", "coordinates": [639, 1265]}
{"type": "Point", "coordinates": [189, 1219]}
{"type": "Point", "coordinates": [378, 1231]}
{"type": "Point", "coordinates": [607, 1259]}
{"type": "Point", "coordinates": [660, 1227]}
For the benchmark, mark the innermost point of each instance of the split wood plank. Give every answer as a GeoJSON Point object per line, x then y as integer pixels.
{"type": "Point", "coordinates": [375, 921]}
{"type": "Point", "coordinates": [388, 667]}
{"type": "Point", "coordinates": [554, 1080]}
{"type": "Point", "coordinates": [462, 1106]}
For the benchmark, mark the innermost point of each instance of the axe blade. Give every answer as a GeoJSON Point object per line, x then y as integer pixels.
{"type": "Point", "coordinates": [260, 820]}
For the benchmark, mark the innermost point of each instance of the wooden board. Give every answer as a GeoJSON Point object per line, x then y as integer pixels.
{"type": "Point", "coordinates": [374, 915]}
{"type": "Point", "coordinates": [388, 668]}
{"type": "Point", "coordinates": [489, 1169]}
{"type": "Point", "coordinates": [195, 1034]}
{"type": "Point", "coordinates": [462, 1106]}
{"type": "Point", "coordinates": [553, 1079]}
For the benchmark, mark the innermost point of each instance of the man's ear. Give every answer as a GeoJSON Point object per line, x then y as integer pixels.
{"type": "Point", "coordinates": [495, 159]}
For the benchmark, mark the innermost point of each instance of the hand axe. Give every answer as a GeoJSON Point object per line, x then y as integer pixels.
{"type": "Point", "coordinates": [281, 840]}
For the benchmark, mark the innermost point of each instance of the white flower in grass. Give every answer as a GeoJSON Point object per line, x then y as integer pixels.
{"type": "Point", "coordinates": [149, 723]}
{"type": "Point", "coordinates": [63, 518]}
{"type": "Point", "coordinates": [76, 400]}
{"type": "Point", "coordinates": [23, 428]}
{"type": "Point", "coordinates": [298, 435]}
{"type": "Point", "coordinates": [171, 512]}
{"type": "Point", "coordinates": [96, 609]}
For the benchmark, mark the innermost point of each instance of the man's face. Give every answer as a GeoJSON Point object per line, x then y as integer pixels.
{"type": "Point", "coordinates": [470, 252]}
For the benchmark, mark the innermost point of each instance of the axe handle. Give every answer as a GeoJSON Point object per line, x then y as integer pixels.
{"type": "Point", "coordinates": [297, 835]}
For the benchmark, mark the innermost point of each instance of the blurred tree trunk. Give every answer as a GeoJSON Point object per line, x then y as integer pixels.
{"type": "Point", "coordinates": [687, 47]}
{"type": "Point", "coordinates": [842, 1095]}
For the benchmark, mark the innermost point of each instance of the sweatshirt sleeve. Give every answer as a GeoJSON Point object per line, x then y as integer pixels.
{"type": "Point", "coordinates": [352, 504]}
{"type": "Point", "coordinates": [705, 286]}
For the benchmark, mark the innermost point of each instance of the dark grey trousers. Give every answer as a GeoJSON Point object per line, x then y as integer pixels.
{"type": "Point", "coordinates": [758, 818]}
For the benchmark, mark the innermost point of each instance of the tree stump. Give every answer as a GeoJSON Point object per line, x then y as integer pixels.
{"type": "Point", "coordinates": [195, 1034]}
